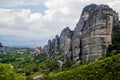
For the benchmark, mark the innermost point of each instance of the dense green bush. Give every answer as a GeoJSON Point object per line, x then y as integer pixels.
{"type": "Point", "coordinates": [104, 69]}
{"type": "Point", "coordinates": [116, 38]}
{"type": "Point", "coordinates": [48, 66]}
{"type": "Point", "coordinates": [52, 64]}
{"type": "Point", "coordinates": [115, 47]}
{"type": "Point", "coordinates": [67, 64]}
{"type": "Point", "coordinates": [7, 73]}
{"type": "Point", "coordinates": [40, 57]}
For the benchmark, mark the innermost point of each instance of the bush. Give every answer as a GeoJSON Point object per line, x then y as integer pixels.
{"type": "Point", "coordinates": [52, 64]}
{"type": "Point", "coordinates": [104, 69]}
{"type": "Point", "coordinates": [115, 47]}
{"type": "Point", "coordinates": [48, 66]}
{"type": "Point", "coordinates": [116, 38]}
{"type": "Point", "coordinates": [7, 73]}
{"type": "Point", "coordinates": [40, 57]}
{"type": "Point", "coordinates": [67, 64]}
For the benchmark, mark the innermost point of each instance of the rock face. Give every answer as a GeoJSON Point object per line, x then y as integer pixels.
{"type": "Point", "coordinates": [56, 47]}
{"type": "Point", "coordinates": [65, 43]}
{"type": "Point", "coordinates": [96, 32]}
{"type": "Point", "coordinates": [52, 48]}
{"type": "Point", "coordinates": [2, 50]}
{"type": "Point", "coordinates": [48, 51]}
{"type": "Point", "coordinates": [90, 38]}
{"type": "Point", "coordinates": [60, 46]}
{"type": "Point", "coordinates": [77, 36]}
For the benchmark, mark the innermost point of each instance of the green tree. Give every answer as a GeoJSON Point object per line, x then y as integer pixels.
{"type": "Point", "coordinates": [7, 73]}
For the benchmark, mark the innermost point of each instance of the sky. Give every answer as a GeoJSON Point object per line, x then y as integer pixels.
{"type": "Point", "coordinates": [28, 20]}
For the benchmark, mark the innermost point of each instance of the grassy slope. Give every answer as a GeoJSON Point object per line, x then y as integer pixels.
{"type": "Point", "coordinates": [104, 69]}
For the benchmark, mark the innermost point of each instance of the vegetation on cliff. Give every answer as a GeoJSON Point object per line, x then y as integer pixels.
{"type": "Point", "coordinates": [115, 47]}
{"type": "Point", "coordinates": [103, 69]}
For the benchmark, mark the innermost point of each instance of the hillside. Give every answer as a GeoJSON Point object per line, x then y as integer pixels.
{"type": "Point", "coordinates": [103, 69]}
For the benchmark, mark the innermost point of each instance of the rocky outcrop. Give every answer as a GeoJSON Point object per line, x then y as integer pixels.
{"type": "Point", "coordinates": [34, 53]}
{"type": "Point", "coordinates": [65, 43]}
{"type": "Point", "coordinates": [47, 49]}
{"type": "Point", "coordinates": [60, 46]}
{"type": "Point", "coordinates": [39, 77]}
{"type": "Point", "coordinates": [90, 38]}
{"type": "Point", "coordinates": [60, 64]}
{"type": "Point", "coordinates": [96, 33]}
{"type": "Point", "coordinates": [2, 50]}
{"type": "Point", "coordinates": [52, 48]}
{"type": "Point", "coordinates": [77, 36]}
{"type": "Point", "coordinates": [56, 47]}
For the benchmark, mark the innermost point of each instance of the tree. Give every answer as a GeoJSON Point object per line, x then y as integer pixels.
{"type": "Point", "coordinates": [7, 73]}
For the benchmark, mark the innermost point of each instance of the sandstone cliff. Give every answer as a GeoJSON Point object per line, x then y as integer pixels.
{"type": "Point", "coordinates": [90, 38]}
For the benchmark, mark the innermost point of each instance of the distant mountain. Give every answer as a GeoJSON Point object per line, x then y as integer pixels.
{"type": "Point", "coordinates": [9, 49]}
{"type": "Point", "coordinates": [17, 41]}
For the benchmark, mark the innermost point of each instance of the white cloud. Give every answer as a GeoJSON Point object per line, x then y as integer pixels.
{"type": "Point", "coordinates": [15, 19]}
{"type": "Point", "coordinates": [59, 14]}
{"type": "Point", "coordinates": [35, 16]}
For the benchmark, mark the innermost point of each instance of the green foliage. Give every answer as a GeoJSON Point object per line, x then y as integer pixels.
{"type": "Point", "coordinates": [22, 62]}
{"type": "Point", "coordinates": [48, 66]}
{"type": "Point", "coordinates": [6, 58]}
{"type": "Point", "coordinates": [67, 65]}
{"type": "Point", "coordinates": [115, 47]}
{"type": "Point", "coordinates": [40, 57]}
{"type": "Point", "coordinates": [14, 56]}
{"type": "Point", "coordinates": [61, 57]}
{"type": "Point", "coordinates": [114, 13]}
{"type": "Point", "coordinates": [52, 64]}
{"type": "Point", "coordinates": [116, 38]}
{"type": "Point", "coordinates": [7, 73]}
{"type": "Point", "coordinates": [104, 69]}
{"type": "Point", "coordinates": [28, 67]}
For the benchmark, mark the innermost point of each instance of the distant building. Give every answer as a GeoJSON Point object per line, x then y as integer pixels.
{"type": "Point", "coordinates": [2, 50]}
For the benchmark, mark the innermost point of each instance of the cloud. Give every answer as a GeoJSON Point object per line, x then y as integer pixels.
{"type": "Point", "coordinates": [44, 25]}
{"type": "Point", "coordinates": [14, 18]}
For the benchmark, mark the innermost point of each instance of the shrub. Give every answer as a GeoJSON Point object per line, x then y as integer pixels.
{"type": "Point", "coordinates": [103, 69]}
{"type": "Point", "coordinates": [7, 73]}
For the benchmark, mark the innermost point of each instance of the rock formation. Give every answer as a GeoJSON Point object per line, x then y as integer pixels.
{"type": "Point", "coordinates": [96, 32]}
{"type": "Point", "coordinates": [56, 47]}
{"type": "Point", "coordinates": [60, 46]}
{"type": "Point", "coordinates": [2, 50]}
{"type": "Point", "coordinates": [90, 38]}
{"type": "Point", "coordinates": [36, 52]}
{"type": "Point", "coordinates": [65, 43]}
